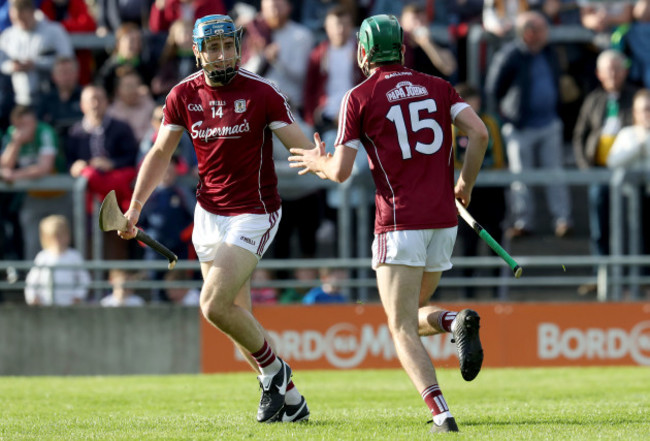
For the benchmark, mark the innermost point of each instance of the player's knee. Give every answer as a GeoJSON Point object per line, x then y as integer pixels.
{"type": "Point", "coordinates": [399, 327]}
{"type": "Point", "coordinates": [213, 311]}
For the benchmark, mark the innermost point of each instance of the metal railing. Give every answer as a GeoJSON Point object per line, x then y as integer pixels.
{"type": "Point", "coordinates": [59, 182]}
{"type": "Point", "coordinates": [624, 185]}
{"type": "Point", "coordinates": [559, 34]}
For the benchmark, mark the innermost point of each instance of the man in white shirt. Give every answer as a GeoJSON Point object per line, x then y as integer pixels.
{"type": "Point", "coordinates": [29, 48]}
{"type": "Point", "coordinates": [278, 49]}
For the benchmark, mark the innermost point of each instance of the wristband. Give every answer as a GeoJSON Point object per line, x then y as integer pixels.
{"type": "Point", "coordinates": [135, 201]}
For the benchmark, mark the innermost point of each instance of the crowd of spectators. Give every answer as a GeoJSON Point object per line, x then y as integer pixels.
{"type": "Point", "coordinates": [78, 110]}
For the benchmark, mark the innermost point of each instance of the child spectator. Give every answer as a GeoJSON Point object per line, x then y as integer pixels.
{"type": "Point", "coordinates": [60, 286]}
{"type": "Point", "coordinates": [122, 295]}
{"type": "Point", "coordinates": [329, 291]}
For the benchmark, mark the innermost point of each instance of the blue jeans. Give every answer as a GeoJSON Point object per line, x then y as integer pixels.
{"type": "Point", "coordinates": [599, 219]}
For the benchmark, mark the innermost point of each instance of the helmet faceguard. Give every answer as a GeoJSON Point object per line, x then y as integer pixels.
{"type": "Point", "coordinates": [219, 27]}
{"type": "Point", "coordinates": [380, 41]}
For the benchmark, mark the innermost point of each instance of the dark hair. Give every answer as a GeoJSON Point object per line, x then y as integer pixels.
{"type": "Point", "coordinates": [414, 8]}
{"type": "Point", "coordinates": [338, 11]}
{"type": "Point", "coordinates": [23, 5]}
{"type": "Point", "coordinates": [466, 90]}
{"type": "Point", "coordinates": [20, 110]}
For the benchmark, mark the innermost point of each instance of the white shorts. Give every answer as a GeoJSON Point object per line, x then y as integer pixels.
{"type": "Point", "coordinates": [428, 248]}
{"type": "Point", "coordinates": [252, 232]}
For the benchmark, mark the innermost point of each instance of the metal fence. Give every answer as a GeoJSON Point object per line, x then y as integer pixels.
{"type": "Point", "coordinates": [616, 271]}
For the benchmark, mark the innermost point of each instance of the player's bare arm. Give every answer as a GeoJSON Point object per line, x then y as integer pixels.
{"type": "Point", "coordinates": [469, 122]}
{"type": "Point", "coordinates": [151, 173]}
{"type": "Point", "coordinates": [336, 167]}
{"type": "Point", "coordinates": [293, 137]}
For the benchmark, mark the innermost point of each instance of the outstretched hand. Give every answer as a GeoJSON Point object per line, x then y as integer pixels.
{"type": "Point", "coordinates": [310, 160]}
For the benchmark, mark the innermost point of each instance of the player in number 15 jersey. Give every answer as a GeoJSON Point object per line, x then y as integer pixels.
{"type": "Point", "coordinates": [403, 119]}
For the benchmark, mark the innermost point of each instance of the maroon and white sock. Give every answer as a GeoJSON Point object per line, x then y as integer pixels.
{"type": "Point", "coordinates": [445, 320]}
{"type": "Point", "coordinates": [267, 361]}
{"type": "Point", "coordinates": [432, 396]}
{"type": "Point", "coordinates": [292, 397]}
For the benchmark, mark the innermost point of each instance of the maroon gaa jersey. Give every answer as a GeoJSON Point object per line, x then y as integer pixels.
{"type": "Point", "coordinates": [403, 119]}
{"type": "Point", "coordinates": [230, 127]}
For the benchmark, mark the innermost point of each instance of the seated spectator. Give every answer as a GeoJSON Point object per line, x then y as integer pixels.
{"type": "Point", "coordinates": [122, 295]}
{"type": "Point", "coordinates": [260, 294]}
{"type": "Point", "coordinates": [60, 286]}
{"type": "Point", "coordinates": [178, 295]}
{"type": "Point", "coordinates": [127, 55]}
{"type": "Point", "coordinates": [177, 60]}
{"type": "Point", "coordinates": [75, 18]}
{"type": "Point", "coordinates": [165, 12]}
{"type": "Point", "coordinates": [103, 150]}
{"type": "Point", "coordinates": [422, 53]}
{"type": "Point", "coordinates": [488, 203]}
{"type": "Point", "coordinates": [31, 151]}
{"type": "Point", "coordinates": [112, 14]}
{"type": "Point", "coordinates": [28, 50]}
{"type": "Point", "coordinates": [278, 48]}
{"type": "Point", "coordinates": [329, 291]}
{"type": "Point", "coordinates": [61, 107]}
{"type": "Point", "coordinates": [132, 103]}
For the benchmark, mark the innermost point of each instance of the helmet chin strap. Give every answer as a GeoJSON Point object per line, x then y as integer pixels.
{"type": "Point", "coordinates": [222, 76]}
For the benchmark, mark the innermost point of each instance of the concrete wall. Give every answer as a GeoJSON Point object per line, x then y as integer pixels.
{"type": "Point", "coordinates": [91, 340]}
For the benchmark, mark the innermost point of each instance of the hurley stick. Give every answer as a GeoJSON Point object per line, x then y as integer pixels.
{"type": "Point", "coordinates": [514, 266]}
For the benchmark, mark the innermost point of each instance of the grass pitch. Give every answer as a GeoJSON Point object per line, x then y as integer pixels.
{"type": "Point", "coordinates": [501, 404]}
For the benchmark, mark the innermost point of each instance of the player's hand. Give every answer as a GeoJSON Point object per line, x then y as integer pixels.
{"type": "Point", "coordinates": [463, 192]}
{"type": "Point", "coordinates": [132, 216]}
{"type": "Point", "coordinates": [309, 159]}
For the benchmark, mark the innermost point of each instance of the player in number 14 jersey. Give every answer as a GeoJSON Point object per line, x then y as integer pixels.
{"type": "Point", "coordinates": [403, 119]}
{"type": "Point", "coordinates": [230, 115]}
